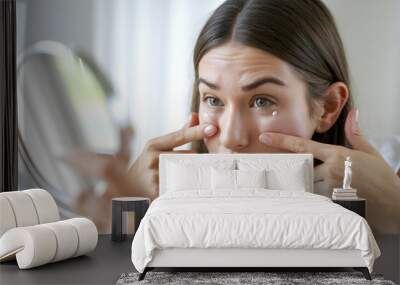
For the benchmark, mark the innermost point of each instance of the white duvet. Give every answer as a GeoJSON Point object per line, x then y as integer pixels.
{"type": "Point", "coordinates": [251, 218]}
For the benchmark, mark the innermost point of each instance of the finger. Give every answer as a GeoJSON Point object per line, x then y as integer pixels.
{"type": "Point", "coordinates": [183, 136]}
{"type": "Point", "coordinates": [193, 120]}
{"type": "Point", "coordinates": [354, 135]}
{"type": "Point", "coordinates": [297, 145]}
{"type": "Point", "coordinates": [189, 121]}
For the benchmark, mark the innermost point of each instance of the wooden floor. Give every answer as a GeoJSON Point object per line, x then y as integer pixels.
{"type": "Point", "coordinates": [106, 264]}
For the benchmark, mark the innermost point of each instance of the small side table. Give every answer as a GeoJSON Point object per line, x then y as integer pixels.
{"type": "Point", "coordinates": [358, 206]}
{"type": "Point", "coordinates": [120, 208]}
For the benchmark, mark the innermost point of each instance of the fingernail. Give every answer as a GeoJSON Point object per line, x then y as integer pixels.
{"type": "Point", "coordinates": [265, 138]}
{"type": "Point", "coordinates": [210, 130]}
{"type": "Point", "coordinates": [356, 127]}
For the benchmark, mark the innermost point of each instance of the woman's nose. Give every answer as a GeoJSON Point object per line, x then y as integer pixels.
{"type": "Point", "coordinates": [234, 131]}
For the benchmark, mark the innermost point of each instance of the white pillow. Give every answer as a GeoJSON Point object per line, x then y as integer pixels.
{"type": "Point", "coordinates": [236, 179]}
{"type": "Point", "coordinates": [251, 178]}
{"type": "Point", "coordinates": [223, 179]}
{"type": "Point", "coordinates": [192, 174]}
{"type": "Point", "coordinates": [281, 174]}
{"type": "Point", "coordinates": [293, 178]}
{"type": "Point", "coordinates": [181, 177]}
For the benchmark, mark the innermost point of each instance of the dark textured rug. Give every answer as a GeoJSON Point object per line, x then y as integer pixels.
{"type": "Point", "coordinates": [225, 278]}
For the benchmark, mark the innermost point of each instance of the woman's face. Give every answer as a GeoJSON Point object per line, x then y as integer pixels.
{"type": "Point", "coordinates": [240, 88]}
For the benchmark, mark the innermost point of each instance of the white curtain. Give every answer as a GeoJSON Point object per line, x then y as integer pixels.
{"type": "Point", "coordinates": [147, 48]}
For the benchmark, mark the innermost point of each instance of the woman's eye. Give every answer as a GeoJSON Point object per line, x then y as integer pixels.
{"type": "Point", "coordinates": [213, 101]}
{"type": "Point", "coordinates": [262, 102]}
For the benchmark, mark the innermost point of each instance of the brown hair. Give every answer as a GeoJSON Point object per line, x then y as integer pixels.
{"type": "Point", "coordinates": [301, 33]}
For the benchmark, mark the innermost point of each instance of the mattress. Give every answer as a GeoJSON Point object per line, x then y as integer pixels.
{"type": "Point", "coordinates": [250, 219]}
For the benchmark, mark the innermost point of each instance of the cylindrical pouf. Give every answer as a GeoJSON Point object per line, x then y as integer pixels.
{"type": "Point", "coordinates": [67, 239]}
{"type": "Point", "coordinates": [87, 235]}
{"type": "Point", "coordinates": [34, 245]}
{"type": "Point", "coordinates": [23, 208]}
{"type": "Point", "coordinates": [138, 205]}
{"type": "Point", "coordinates": [45, 205]}
{"type": "Point", "coordinates": [7, 218]}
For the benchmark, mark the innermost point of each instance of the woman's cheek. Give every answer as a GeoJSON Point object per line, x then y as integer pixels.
{"type": "Point", "coordinates": [207, 116]}
{"type": "Point", "coordinates": [291, 123]}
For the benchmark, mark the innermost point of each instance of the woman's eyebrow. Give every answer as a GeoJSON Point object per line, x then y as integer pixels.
{"type": "Point", "coordinates": [261, 81]}
{"type": "Point", "coordinates": [209, 84]}
{"type": "Point", "coordinates": [248, 87]}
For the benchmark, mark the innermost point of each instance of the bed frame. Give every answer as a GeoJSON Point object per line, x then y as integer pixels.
{"type": "Point", "coordinates": [251, 259]}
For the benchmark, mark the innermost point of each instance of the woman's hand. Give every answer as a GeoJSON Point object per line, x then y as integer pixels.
{"type": "Point", "coordinates": [143, 174]}
{"type": "Point", "coordinates": [372, 176]}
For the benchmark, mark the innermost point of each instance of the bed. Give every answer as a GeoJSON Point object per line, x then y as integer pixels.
{"type": "Point", "coordinates": [246, 211]}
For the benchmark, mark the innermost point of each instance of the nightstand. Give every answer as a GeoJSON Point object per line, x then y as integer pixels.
{"type": "Point", "coordinates": [122, 210]}
{"type": "Point", "coordinates": [358, 206]}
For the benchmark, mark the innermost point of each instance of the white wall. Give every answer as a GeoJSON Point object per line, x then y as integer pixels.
{"type": "Point", "coordinates": [370, 30]}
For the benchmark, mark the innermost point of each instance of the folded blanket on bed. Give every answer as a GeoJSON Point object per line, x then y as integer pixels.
{"type": "Point", "coordinates": [251, 218]}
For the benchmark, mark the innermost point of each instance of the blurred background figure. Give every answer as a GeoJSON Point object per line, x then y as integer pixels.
{"type": "Point", "coordinates": [72, 141]}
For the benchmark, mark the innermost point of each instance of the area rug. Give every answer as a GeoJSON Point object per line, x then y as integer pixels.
{"type": "Point", "coordinates": [229, 278]}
